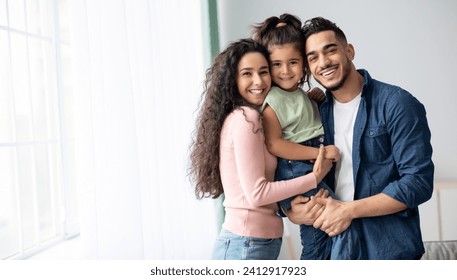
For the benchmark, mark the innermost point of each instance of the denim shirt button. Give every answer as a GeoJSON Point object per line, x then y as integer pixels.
{"type": "Point", "coordinates": [371, 133]}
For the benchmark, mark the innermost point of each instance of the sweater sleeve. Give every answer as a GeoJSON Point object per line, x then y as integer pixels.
{"type": "Point", "coordinates": [249, 152]}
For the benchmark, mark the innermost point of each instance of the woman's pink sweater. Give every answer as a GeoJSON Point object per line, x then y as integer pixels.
{"type": "Point", "coordinates": [247, 171]}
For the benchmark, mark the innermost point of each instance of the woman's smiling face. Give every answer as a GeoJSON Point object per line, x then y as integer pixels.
{"type": "Point", "coordinates": [253, 78]}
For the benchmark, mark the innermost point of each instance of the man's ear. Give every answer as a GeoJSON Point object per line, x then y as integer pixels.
{"type": "Point", "coordinates": [350, 51]}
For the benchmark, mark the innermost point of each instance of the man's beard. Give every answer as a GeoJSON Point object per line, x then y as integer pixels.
{"type": "Point", "coordinates": [337, 86]}
{"type": "Point", "coordinates": [340, 84]}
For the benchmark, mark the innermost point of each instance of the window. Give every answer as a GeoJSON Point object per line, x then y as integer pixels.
{"type": "Point", "coordinates": [34, 147]}
{"type": "Point", "coordinates": [97, 127]}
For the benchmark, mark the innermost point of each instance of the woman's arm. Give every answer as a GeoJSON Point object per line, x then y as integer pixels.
{"type": "Point", "coordinates": [249, 152]}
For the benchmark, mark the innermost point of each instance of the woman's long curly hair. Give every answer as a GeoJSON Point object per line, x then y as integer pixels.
{"type": "Point", "coordinates": [278, 31]}
{"type": "Point", "coordinates": [219, 98]}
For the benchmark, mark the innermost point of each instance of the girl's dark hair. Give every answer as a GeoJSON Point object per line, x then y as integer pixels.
{"type": "Point", "coordinates": [277, 31]}
{"type": "Point", "coordinates": [219, 98]}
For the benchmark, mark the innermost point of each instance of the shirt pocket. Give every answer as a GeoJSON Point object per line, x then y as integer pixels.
{"type": "Point", "coordinates": [376, 147]}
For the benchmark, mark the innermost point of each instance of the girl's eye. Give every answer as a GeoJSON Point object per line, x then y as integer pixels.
{"type": "Point", "coordinates": [246, 74]}
{"type": "Point", "coordinates": [275, 64]}
{"type": "Point", "coordinates": [264, 73]}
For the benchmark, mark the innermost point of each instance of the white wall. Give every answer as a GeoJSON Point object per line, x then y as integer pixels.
{"type": "Point", "coordinates": [409, 43]}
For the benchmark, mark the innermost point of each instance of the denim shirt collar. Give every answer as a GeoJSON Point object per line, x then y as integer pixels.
{"type": "Point", "coordinates": [366, 82]}
{"type": "Point", "coordinates": [360, 123]}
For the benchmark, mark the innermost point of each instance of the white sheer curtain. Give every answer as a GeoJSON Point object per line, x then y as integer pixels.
{"type": "Point", "coordinates": [138, 67]}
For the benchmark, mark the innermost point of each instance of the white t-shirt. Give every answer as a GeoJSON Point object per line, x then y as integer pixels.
{"type": "Point", "coordinates": [344, 117]}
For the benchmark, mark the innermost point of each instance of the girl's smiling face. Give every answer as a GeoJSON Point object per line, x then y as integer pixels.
{"type": "Point", "coordinates": [286, 63]}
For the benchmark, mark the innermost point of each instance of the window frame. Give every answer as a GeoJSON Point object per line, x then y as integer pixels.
{"type": "Point", "coordinates": [55, 143]}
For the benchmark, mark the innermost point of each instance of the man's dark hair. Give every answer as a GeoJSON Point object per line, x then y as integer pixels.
{"type": "Point", "coordinates": [319, 24]}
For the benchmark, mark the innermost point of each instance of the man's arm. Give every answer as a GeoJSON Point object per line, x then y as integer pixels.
{"type": "Point", "coordinates": [337, 215]}
{"type": "Point", "coordinates": [411, 150]}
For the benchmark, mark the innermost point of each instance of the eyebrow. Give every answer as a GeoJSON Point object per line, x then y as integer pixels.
{"type": "Point", "coordinates": [251, 68]}
{"type": "Point", "coordinates": [291, 59]}
{"type": "Point", "coordinates": [325, 48]}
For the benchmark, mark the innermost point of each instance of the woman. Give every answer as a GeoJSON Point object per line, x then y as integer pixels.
{"type": "Point", "coordinates": [229, 155]}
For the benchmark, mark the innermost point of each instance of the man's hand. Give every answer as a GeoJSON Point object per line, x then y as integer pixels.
{"type": "Point", "coordinates": [305, 210]}
{"type": "Point", "coordinates": [316, 94]}
{"type": "Point", "coordinates": [335, 218]}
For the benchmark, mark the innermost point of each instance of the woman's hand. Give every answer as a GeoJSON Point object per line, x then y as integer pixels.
{"type": "Point", "coordinates": [306, 210]}
{"type": "Point", "coordinates": [322, 165]}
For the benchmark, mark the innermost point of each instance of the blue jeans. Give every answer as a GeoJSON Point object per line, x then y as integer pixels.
{"type": "Point", "coordinates": [230, 246]}
{"type": "Point", "coordinates": [316, 244]}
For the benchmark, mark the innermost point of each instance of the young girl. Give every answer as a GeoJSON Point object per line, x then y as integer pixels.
{"type": "Point", "coordinates": [228, 155]}
{"type": "Point", "coordinates": [293, 128]}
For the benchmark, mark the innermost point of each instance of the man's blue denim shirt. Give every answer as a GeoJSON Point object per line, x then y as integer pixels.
{"type": "Point", "coordinates": [392, 154]}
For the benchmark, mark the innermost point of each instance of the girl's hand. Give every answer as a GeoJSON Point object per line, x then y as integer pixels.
{"type": "Point", "coordinates": [322, 165]}
{"type": "Point", "coordinates": [332, 153]}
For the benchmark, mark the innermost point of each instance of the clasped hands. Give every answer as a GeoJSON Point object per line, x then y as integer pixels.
{"type": "Point", "coordinates": [321, 211]}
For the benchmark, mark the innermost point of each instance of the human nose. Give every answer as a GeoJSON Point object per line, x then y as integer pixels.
{"type": "Point", "coordinates": [285, 68]}
{"type": "Point", "coordinates": [324, 61]}
{"type": "Point", "coordinates": [257, 79]}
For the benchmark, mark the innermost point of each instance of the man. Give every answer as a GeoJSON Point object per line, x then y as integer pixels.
{"type": "Point", "coordinates": [385, 170]}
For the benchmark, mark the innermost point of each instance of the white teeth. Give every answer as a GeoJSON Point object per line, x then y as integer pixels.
{"type": "Point", "coordinates": [328, 73]}
{"type": "Point", "coordinates": [256, 91]}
